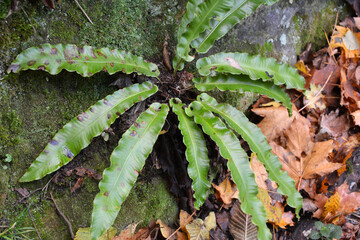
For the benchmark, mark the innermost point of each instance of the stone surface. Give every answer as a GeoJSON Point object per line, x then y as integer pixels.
{"type": "Point", "coordinates": [35, 105]}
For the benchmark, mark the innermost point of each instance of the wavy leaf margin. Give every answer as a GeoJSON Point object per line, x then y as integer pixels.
{"type": "Point", "coordinates": [238, 163]}
{"type": "Point", "coordinates": [83, 60]}
{"type": "Point", "coordinates": [127, 160]}
{"type": "Point", "coordinates": [78, 133]}
{"type": "Point", "coordinates": [223, 24]}
{"type": "Point", "coordinates": [243, 83]}
{"type": "Point", "coordinates": [258, 144]}
{"type": "Point", "coordinates": [196, 153]}
{"type": "Point", "coordinates": [256, 67]}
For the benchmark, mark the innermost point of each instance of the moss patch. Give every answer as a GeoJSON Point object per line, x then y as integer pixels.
{"type": "Point", "coordinates": [148, 200]}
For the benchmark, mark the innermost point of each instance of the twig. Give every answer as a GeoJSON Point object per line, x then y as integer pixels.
{"type": "Point", "coordinates": [332, 34]}
{"type": "Point", "coordinates": [84, 12]}
{"type": "Point", "coordinates": [64, 217]}
{"type": "Point", "coordinates": [315, 98]}
{"type": "Point", "coordinates": [32, 219]}
{"type": "Point", "coordinates": [187, 221]}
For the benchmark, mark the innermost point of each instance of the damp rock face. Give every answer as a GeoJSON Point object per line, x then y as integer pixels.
{"type": "Point", "coordinates": [283, 29]}
{"type": "Point", "coordinates": [34, 105]}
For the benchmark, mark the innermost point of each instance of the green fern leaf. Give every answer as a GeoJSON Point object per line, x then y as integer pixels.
{"type": "Point", "coordinates": [127, 160]}
{"type": "Point", "coordinates": [196, 153]}
{"type": "Point", "coordinates": [77, 134]}
{"type": "Point", "coordinates": [255, 66]}
{"type": "Point", "coordinates": [86, 60]}
{"type": "Point", "coordinates": [205, 11]}
{"type": "Point", "coordinates": [238, 163]}
{"type": "Point", "coordinates": [222, 24]}
{"type": "Point", "coordinates": [258, 144]}
{"type": "Point", "coordinates": [191, 9]}
{"type": "Point", "coordinates": [244, 83]}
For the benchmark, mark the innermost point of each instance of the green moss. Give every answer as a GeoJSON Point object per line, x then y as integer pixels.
{"type": "Point", "coordinates": [148, 200]}
{"type": "Point", "coordinates": [265, 50]}
{"type": "Point", "coordinates": [241, 101]}
{"type": "Point", "coordinates": [321, 22]}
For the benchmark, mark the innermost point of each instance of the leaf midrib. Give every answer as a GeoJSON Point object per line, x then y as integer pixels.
{"type": "Point", "coordinates": [144, 135]}
{"type": "Point", "coordinates": [268, 166]}
{"type": "Point", "coordinates": [229, 13]}
{"type": "Point", "coordinates": [79, 133]}
{"type": "Point", "coordinates": [194, 147]}
{"type": "Point", "coordinates": [225, 146]}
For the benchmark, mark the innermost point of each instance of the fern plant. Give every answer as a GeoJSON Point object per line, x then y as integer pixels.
{"type": "Point", "coordinates": [203, 23]}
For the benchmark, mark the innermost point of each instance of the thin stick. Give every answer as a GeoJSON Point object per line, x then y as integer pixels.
{"type": "Point", "coordinates": [32, 219]}
{"type": "Point", "coordinates": [84, 12]}
{"type": "Point", "coordinates": [332, 34]}
{"type": "Point", "coordinates": [315, 98]}
{"type": "Point", "coordinates": [64, 217]}
{"type": "Point", "coordinates": [187, 221]}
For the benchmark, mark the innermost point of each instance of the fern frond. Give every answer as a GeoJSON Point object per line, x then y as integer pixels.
{"type": "Point", "coordinates": [244, 83]}
{"type": "Point", "coordinates": [238, 163]}
{"type": "Point", "coordinates": [190, 14]}
{"type": "Point", "coordinates": [196, 153]}
{"type": "Point", "coordinates": [258, 144]}
{"type": "Point", "coordinates": [222, 24]}
{"type": "Point", "coordinates": [84, 60]}
{"type": "Point", "coordinates": [78, 133]}
{"type": "Point", "coordinates": [256, 67]}
{"type": "Point", "coordinates": [127, 160]}
{"type": "Point", "coordinates": [205, 11]}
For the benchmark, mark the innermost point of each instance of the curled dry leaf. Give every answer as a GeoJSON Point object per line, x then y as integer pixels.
{"type": "Point", "coordinates": [199, 229]}
{"type": "Point", "coordinates": [226, 191]}
{"type": "Point", "coordinates": [275, 212]}
{"type": "Point", "coordinates": [168, 233]}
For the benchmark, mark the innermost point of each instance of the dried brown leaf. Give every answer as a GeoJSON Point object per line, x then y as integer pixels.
{"type": "Point", "coordinates": [227, 191]}
{"type": "Point", "coordinates": [241, 226]}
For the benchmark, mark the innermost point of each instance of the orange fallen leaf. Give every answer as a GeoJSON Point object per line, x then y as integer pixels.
{"type": "Point", "coordinates": [169, 233]}
{"type": "Point", "coordinates": [303, 68]}
{"type": "Point", "coordinates": [270, 126]}
{"type": "Point", "coordinates": [275, 212]}
{"type": "Point", "coordinates": [185, 218]}
{"type": "Point", "coordinates": [331, 205]}
{"type": "Point", "coordinates": [342, 203]}
{"type": "Point", "coordinates": [347, 40]}
{"type": "Point", "coordinates": [226, 191]}
{"type": "Point", "coordinates": [314, 163]}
